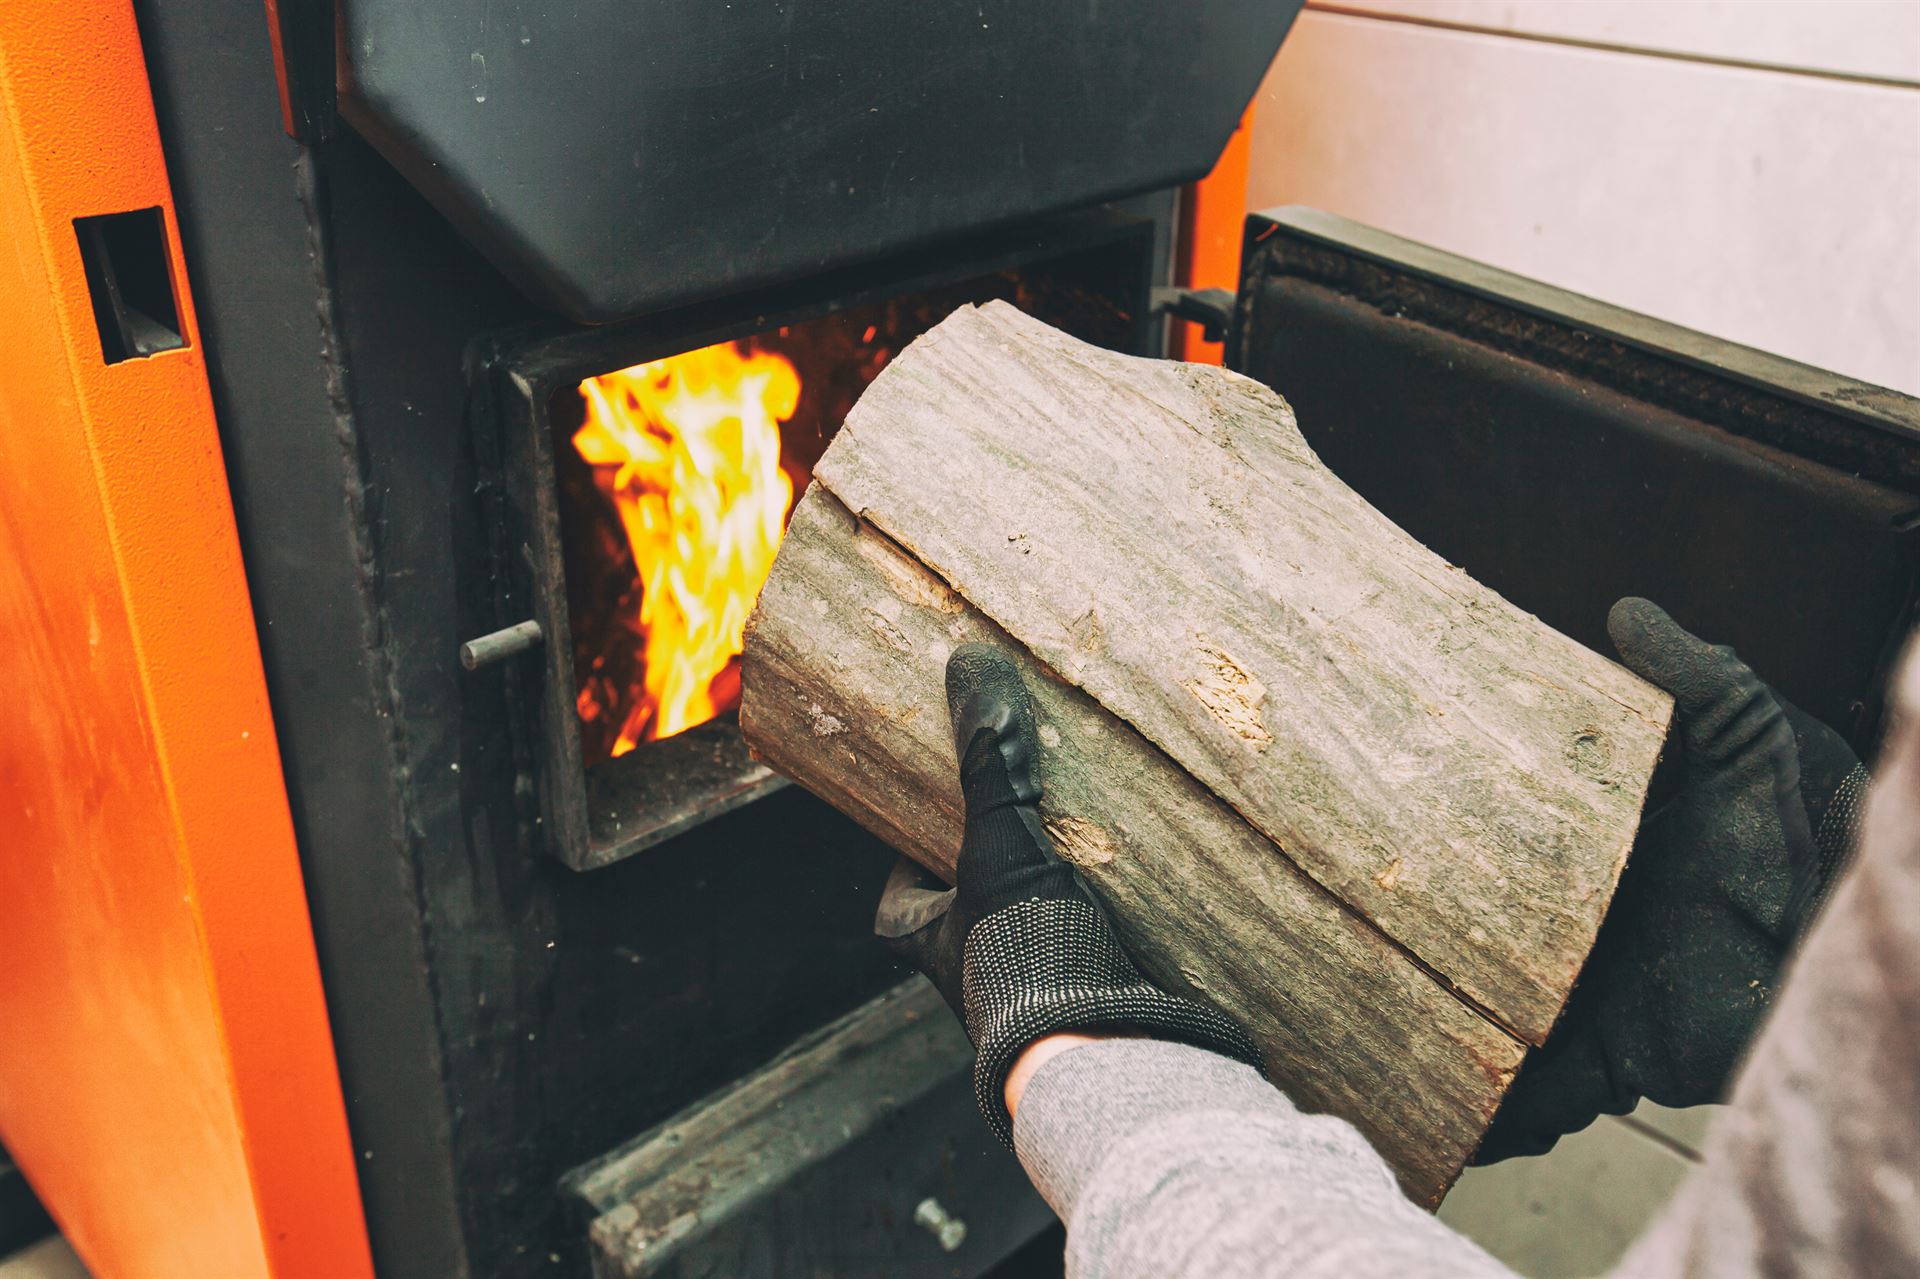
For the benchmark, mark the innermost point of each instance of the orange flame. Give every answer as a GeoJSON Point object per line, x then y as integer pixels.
{"type": "Point", "coordinates": [693, 445]}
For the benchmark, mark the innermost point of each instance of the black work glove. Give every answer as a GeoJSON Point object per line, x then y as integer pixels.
{"type": "Point", "coordinates": [1021, 948]}
{"type": "Point", "coordinates": [1723, 878]}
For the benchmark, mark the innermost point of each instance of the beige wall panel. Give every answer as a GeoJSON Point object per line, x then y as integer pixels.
{"type": "Point", "coordinates": [1781, 211]}
{"type": "Point", "coordinates": [1879, 38]}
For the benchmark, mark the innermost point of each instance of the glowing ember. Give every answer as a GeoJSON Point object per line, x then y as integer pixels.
{"type": "Point", "coordinates": [689, 449]}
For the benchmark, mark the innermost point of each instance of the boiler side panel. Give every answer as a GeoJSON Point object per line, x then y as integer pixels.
{"type": "Point", "coordinates": [166, 1070]}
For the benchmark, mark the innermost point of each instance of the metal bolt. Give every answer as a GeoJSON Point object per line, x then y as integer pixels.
{"type": "Point", "coordinates": [510, 642]}
{"type": "Point", "coordinates": [950, 1231]}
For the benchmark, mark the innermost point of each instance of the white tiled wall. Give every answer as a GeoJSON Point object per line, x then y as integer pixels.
{"type": "Point", "coordinates": [1872, 39]}
{"type": "Point", "coordinates": [1748, 169]}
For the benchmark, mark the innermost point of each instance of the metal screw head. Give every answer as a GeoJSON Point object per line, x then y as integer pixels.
{"type": "Point", "coordinates": [949, 1230]}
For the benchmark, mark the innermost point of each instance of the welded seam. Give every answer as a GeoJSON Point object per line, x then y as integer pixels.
{"type": "Point", "coordinates": [310, 188]}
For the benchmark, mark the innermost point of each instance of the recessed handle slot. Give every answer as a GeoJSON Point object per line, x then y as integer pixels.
{"type": "Point", "coordinates": [130, 275]}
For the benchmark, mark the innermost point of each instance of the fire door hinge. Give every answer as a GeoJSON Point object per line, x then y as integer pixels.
{"type": "Point", "coordinates": [1211, 309]}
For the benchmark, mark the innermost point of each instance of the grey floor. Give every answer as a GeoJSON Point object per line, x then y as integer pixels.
{"type": "Point", "coordinates": [1566, 1215]}
{"type": "Point", "coordinates": [1573, 1211]}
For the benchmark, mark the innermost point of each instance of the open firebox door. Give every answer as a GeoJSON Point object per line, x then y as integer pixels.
{"type": "Point", "coordinates": [1563, 451]}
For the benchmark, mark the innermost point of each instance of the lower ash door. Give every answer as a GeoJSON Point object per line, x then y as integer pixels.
{"type": "Point", "coordinates": [857, 1152]}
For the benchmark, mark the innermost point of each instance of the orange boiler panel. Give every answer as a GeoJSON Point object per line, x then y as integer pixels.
{"type": "Point", "coordinates": [1212, 213]}
{"type": "Point", "coordinates": [167, 1078]}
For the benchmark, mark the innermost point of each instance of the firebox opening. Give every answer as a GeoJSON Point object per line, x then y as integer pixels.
{"type": "Point", "coordinates": [648, 469]}
{"type": "Point", "coordinates": [686, 450]}
{"type": "Point", "coordinates": [676, 477]}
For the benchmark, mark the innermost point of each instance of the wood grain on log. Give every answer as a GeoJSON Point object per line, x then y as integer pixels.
{"type": "Point", "coordinates": [1318, 774]}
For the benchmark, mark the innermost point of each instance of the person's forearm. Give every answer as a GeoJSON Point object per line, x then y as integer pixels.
{"type": "Point", "coordinates": [1172, 1161]}
{"type": "Point", "coordinates": [1039, 1053]}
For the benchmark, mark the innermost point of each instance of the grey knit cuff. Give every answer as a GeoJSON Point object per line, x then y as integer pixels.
{"type": "Point", "coordinates": [1041, 966]}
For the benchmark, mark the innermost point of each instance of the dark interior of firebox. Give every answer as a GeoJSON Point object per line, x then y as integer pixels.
{"type": "Point", "coordinates": [834, 357]}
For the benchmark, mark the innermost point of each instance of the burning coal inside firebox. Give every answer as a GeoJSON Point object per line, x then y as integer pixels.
{"type": "Point", "coordinates": [677, 476]}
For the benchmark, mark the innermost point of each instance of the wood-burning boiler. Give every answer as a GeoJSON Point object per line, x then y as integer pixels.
{"type": "Point", "coordinates": [414, 233]}
{"type": "Point", "coordinates": [603, 994]}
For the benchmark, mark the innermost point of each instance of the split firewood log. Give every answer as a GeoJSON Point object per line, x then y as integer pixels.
{"type": "Point", "coordinates": [1319, 776]}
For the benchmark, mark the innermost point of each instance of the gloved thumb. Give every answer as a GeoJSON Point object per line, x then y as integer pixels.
{"type": "Point", "coordinates": [913, 899]}
{"type": "Point", "coordinates": [1731, 722]}
{"type": "Point", "coordinates": [1561, 1088]}
{"type": "Point", "coordinates": [1661, 651]}
{"type": "Point", "coordinates": [912, 922]}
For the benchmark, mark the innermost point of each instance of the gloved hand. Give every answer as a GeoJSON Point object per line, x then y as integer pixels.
{"type": "Point", "coordinates": [1021, 948]}
{"type": "Point", "coordinates": [1723, 878]}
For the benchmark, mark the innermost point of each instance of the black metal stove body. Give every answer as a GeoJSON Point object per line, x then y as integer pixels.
{"type": "Point", "coordinates": [502, 1020]}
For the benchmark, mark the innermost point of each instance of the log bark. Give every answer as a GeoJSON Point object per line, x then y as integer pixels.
{"type": "Point", "coordinates": [1320, 776]}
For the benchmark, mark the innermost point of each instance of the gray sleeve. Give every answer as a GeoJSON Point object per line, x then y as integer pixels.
{"type": "Point", "coordinates": [1173, 1162]}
